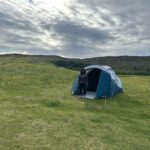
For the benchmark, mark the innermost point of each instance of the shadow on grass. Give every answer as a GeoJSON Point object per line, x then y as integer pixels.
{"type": "Point", "coordinates": [53, 104]}
{"type": "Point", "coordinates": [97, 120]}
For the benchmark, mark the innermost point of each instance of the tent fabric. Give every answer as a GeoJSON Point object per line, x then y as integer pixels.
{"type": "Point", "coordinates": [102, 82]}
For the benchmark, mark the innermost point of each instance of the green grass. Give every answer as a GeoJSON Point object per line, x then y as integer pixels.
{"type": "Point", "coordinates": [37, 111]}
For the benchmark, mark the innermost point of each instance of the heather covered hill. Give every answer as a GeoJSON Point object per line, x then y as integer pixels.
{"type": "Point", "coordinates": [122, 64]}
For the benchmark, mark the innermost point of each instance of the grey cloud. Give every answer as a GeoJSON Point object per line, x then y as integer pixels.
{"type": "Point", "coordinates": [78, 39]}
{"type": "Point", "coordinates": [10, 20]}
{"type": "Point", "coordinates": [73, 30]}
{"type": "Point", "coordinates": [130, 14]}
{"type": "Point", "coordinates": [98, 28]}
{"type": "Point", "coordinates": [18, 28]}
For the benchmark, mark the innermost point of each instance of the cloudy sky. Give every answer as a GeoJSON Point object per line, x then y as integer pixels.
{"type": "Point", "coordinates": [75, 28]}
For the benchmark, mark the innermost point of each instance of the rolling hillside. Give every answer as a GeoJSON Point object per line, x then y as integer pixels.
{"type": "Point", "coordinates": [132, 65]}
{"type": "Point", "coordinates": [37, 110]}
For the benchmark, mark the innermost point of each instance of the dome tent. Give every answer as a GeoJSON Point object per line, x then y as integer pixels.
{"type": "Point", "coordinates": [102, 82]}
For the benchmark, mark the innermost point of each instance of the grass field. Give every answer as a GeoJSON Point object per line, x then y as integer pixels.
{"type": "Point", "coordinates": [37, 111]}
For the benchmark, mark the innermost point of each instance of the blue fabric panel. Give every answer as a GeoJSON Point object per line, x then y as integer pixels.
{"type": "Point", "coordinates": [119, 90]}
{"type": "Point", "coordinates": [75, 86]}
{"type": "Point", "coordinates": [104, 85]}
{"type": "Point", "coordinates": [113, 88]}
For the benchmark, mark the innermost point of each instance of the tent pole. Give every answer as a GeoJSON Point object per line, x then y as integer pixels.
{"type": "Point", "coordinates": [105, 98]}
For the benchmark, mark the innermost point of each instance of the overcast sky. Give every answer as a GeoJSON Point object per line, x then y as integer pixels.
{"type": "Point", "coordinates": [75, 28]}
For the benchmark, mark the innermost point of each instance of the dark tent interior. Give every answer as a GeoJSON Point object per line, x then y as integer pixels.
{"type": "Point", "coordinates": [93, 79]}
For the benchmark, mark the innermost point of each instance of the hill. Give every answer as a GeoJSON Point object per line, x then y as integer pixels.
{"type": "Point", "coordinates": [38, 111]}
{"type": "Point", "coordinates": [133, 65]}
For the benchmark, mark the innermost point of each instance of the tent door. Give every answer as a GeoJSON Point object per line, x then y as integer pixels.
{"type": "Point", "coordinates": [93, 80]}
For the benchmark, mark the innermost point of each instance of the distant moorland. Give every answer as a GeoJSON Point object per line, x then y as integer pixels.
{"type": "Point", "coordinates": [133, 65]}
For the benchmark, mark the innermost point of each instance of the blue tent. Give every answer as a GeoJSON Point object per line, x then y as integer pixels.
{"type": "Point", "coordinates": [102, 82]}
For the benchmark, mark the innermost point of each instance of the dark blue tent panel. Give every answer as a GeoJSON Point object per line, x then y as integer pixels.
{"type": "Point", "coordinates": [102, 82]}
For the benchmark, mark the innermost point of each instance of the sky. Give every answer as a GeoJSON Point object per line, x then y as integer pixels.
{"type": "Point", "coordinates": [75, 28]}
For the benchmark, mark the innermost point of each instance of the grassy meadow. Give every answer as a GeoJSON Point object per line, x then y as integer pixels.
{"type": "Point", "coordinates": [38, 112]}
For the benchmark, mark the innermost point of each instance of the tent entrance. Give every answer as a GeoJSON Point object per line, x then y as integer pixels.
{"type": "Point", "coordinates": [93, 80]}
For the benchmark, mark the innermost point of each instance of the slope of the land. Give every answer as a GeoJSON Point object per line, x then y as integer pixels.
{"type": "Point", "coordinates": [37, 111]}
{"type": "Point", "coordinates": [133, 65]}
